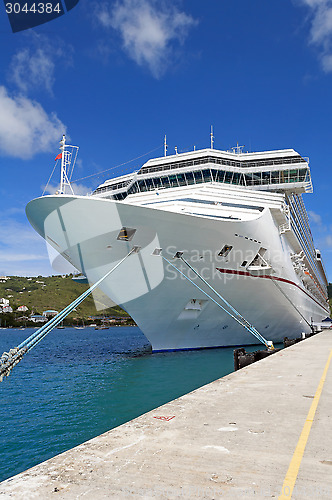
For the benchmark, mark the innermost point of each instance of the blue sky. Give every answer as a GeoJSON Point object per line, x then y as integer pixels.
{"type": "Point", "coordinates": [117, 75]}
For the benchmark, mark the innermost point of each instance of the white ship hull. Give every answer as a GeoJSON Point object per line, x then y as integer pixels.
{"type": "Point", "coordinates": [171, 311]}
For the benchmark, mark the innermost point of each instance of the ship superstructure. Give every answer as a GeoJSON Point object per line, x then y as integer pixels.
{"type": "Point", "coordinates": [238, 218]}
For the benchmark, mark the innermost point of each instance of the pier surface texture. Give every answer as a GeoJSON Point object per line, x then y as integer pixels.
{"type": "Point", "coordinates": [251, 434]}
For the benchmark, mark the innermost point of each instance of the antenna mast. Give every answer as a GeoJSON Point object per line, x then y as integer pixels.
{"type": "Point", "coordinates": [65, 163]}
{"type": "Point", "coordinates": [237, 149]}
{"type": "Point", "coordinates": [165, 146]}
{"type": "Point", "coordinates": [212, 137]}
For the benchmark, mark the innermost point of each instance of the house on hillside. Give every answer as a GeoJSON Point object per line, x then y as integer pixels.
{"type": "Point", "coordinates": [6, 309]}
{"type": "Point", "coordinates": [50, 313]}
{"type": "Point", "coordinates": [4, 302]}
{"type": "Point", "coordinates": [37, 318]}
{"type": "Point", "coordinates": [22, 309]}
{"type": "Point", "coordinates": [22, 318]}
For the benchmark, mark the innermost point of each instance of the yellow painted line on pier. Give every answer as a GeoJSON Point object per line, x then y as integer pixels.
{"type": "Point", "coordinates": [293, 469]}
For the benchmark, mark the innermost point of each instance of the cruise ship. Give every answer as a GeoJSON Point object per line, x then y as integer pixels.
{"type": "Point", "coordinates": [208, 246]}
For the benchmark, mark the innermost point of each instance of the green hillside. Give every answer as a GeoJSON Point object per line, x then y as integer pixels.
{"type": "Point", "coordinates": [55, 292]}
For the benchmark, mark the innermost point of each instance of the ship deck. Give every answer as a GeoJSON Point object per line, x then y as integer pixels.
{"type": "Point", "coordinates": [251, 434]}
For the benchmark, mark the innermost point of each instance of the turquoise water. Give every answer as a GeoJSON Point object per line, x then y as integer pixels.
{"type": "Point", "coordinates": [77, 384]}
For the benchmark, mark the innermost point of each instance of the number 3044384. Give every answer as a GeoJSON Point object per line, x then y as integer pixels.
{"type": "Point", "coordinates": [35, 8]}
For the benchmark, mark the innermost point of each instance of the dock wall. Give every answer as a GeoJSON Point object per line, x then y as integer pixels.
{"type": "Point", "coordinates": [233, 438]}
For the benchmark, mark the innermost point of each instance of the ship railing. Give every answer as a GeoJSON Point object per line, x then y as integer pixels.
{"type": "Point", "coordinates": [283, 228]}
{"type": "Point", "coordinates": [221, 161]}
{"type": "Point", "coordinates": [313, 268]}
{"type": "Point", "coordinates": [189, 176]}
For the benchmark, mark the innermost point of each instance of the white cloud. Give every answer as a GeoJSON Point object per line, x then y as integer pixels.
{"type": "Point", "coordinates": [78, 189]}
{"type": "Point", "coordinates": [14, 257]}
{"type": "Point", "coordinates": [326, 61]}
{"type": "Point", "coordinates": [12, 211]}
{"type": "Point", "coordinates": [32, 69]}
{"type": "Point", "coordinates": [328, 241]}
{"type": "Point", "coordinates": [18, 257]}
{"type": "Point", "coordinates": [321, 29]}
{"type": "Point", "coordinates": [314, 217]}
{"type": "Point", "coordinates": [25, 127]}
{"type": "Point", "coordinates": [149, 30]}
{"type": "Point", "coordinates": [10, 228]}
{"type": "Point", "coordinates": [40, 259]}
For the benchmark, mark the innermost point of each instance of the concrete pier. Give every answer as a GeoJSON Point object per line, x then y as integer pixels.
{"type": "Point", "coordinates": [234, 438]}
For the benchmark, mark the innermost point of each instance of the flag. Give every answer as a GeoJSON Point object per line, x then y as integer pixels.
{"type": "Point", "coordinates": [58, 157]}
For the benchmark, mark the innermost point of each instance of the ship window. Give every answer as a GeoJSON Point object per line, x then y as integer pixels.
{"type": "Point", "coordinates": [242, 180]}
{"type": "Point", "coordinates": [198, 176]}
{"type": "Point", "coordinates": [293, 175]}
{"type": "Point", "coordinates": [284, 176]}
{"type": "Point", "coordinates": [265, 177]}
{"type": "Point", "coordinates": [236, 178]}
{"type": "Point", "coordinates": [256, 178]}
{"type": "Point", "coordinates": [248, 178]}
{"type": "Point", "coordinates": [141, 185]}
{"type": "Point", "coordinates": [173, 181]}
{"type": "Point", "coordinates": [206, 175]}
{"type": "Point", "coordinates": [157, 182]}
{"type": "Point", "coordinates": [120, 196]}
{"type": "Point", "coordinates": [225, 250]}
{"type": "Point", "coordinates": [244, 263]}
{"type": "Point", "coordinates": [181, 180]}
{"type": "Point", "coordinates": [220, 176]}
{"type": "Point", "coordinates": [126, 234]}
{"type": "Point", "coordinates": [228, 177]}
{"type": "Point", "coordinates": [190, 177]}
{"type": "Point", "coordinates": [302, 174]}
{"type": "Point", "coordinates": [149, 184]}
{"type": "Point", "coordinates": [214, 174]}
{"type": "Point", "coordinates": [275, 177]}
{"type": "Point", "coordinates": [165, 181]}
{"type": "Point", "coordinates": [133, 189]}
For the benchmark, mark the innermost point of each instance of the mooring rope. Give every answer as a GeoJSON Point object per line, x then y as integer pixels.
{"type": "Point", "coordinates": [242, 318]}
{"type": "Point", "coordinates": [236, 316]}
{"type": "Point", "coordinates": [284, 294]}
{"type": "Point", "coordinates": [49, 180]}
{"type": "Point", "coordinates": [10, 359]}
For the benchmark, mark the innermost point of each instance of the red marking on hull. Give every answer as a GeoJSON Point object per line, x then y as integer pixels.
{"type": "Point", "coordinates": [274, 278]}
